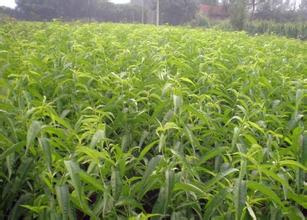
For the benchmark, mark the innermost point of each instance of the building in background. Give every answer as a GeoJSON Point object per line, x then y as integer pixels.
{"type": "Point", "coordinates": [213, 11]}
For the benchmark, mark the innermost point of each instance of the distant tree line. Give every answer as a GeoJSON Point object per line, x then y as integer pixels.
{"type": "Point", "coordinates": [5, 11]}
{"type": "Point", "coordinates": [171, 11]}
{"type": "Point", "coordinates": [242, 11]}
{"type": "Point", "coordinates": [99, 10]}
{"type": "Point", "coordinates": [278, 10]}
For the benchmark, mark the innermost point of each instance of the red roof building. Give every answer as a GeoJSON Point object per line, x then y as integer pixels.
{"type": "Point", "coordinates": [213, 11]}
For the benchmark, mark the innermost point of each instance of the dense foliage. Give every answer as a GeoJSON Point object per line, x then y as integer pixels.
{"type": "Point", "coordinates": [294, 30]}
{"type": "Point", "coordinates": [98, 10]}
{"type": "Point", "coordinates": [171, 11]}
{"type": "Point", "coordinates": [278, 10]}
{"type": "Point", "coordinates": [291, 29]}
{"type": "Point", "coordinates": [177, 12]}
{"type": "Point", "coordinates": [117, 121]}
{"type": "Point", "coordinates": [6, 12]}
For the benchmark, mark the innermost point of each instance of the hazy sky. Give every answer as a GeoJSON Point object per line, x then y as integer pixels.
{"type": "Point", "coordinates": [8, 3]}
{"type": "Point", "coordinates": [11, 3]}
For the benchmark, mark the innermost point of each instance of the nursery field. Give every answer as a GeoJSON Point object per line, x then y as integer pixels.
{"type": "Point", "coordinates": [114, 121]}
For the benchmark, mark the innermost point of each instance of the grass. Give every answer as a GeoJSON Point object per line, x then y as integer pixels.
{"type": "Point", "coordinates": [108, 121]}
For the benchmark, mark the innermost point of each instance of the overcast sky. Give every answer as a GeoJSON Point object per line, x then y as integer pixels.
{"type": "Point", "coordinates": [11, 3]}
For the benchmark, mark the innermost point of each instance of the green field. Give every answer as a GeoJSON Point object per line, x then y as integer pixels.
{"type": "Point", "coordinates": [111, 121]}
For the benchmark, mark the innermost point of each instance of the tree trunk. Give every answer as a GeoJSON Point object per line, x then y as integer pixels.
{"type": "Point", "coordinates": [253, 9]}
{"type": "Point", "coordinates": [88, 10]}
{"type": "Point", "coordinates": [143, 12]}
{"type": "Point", "coordinates": [158, 13]}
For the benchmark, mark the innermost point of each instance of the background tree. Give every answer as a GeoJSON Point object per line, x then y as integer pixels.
{"type": "Point", "coordinates": [173, 12]}
{"type": "Point", "coordinates": [238, 14]}
{"type": "Point", "coordinates": [37, 9]}
{"type": "Point", "coordinates": [100, 10]}
{"type": "Point", "coordinates": [177, 11]}
{"type": "Point", "coordinates": [275, 10]}
{"type": "Point", "coordinates": [6, 12]}
{"type": "Point", "coordinates": [209, 2]}
{"type": "Point", "coordinates": [303, 10]}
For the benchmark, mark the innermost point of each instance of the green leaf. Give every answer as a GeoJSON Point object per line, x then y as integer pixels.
{"type": "Point", "coordinates": [60, 120]}
{"type": "Point", "coordinates": [189, 187]}
{"type": "Point", "coordinates": [62, 195]}
{"type": "Point", "coordinates": [162, 141]}
{"type": "Point", "coordinates": [22, 173]}
{"type": "Point", "coordinates": [97, 137]}
{"type": "Point", "coordinates": [274, 176]}
{"type": "Point", "coordinates": [256, 126]}
{"type": "Point", "coordinates": [299, 199]}
{"type": "Point", "coordinates": [116, 183]}
{"type": "Point", "coordinates": [86, 178]}
{"type": "Point", "coordinates": [153, 163]}
{"type": "Point", "coordinates": [219, 176]}
{"type": "Point", "coordinates": [128, 201]}
{"type": "Point", "coordinates": [251, 211]}
{"type": "Point", "coordinates": [36, 209]}
{"type": "Point", "coordinates": [298, 97]}
{"type": "Point", "coordinates": [213, 153]}
{"type": "Point", "coordinates": [44, 143]}
{"type": "Point", "coordinates": [33, 131]}
{"type": "Point", "coordinates": [178, 102]}
{"type": "Point", "coordinates": [264, 190]}
{"type": "Point", "coordinates": [95, 154]}
{"type": "Point", "coordinates": [304, 150]}
{"type": "Point", "coordinates": [165, 193]}
{"type": "Point", "coordinates": [240, 192]}
{"type": "Point", "coordinates": [214, 203]}
{"type": "Point", "coordinates": [292, 163]}
{"type": "Point", "coordinates": [184, 79]}
{"type": "Point", "coordinates": [13, 149]}
{"type": "Point", "coordinates": [107, 201]}
{"type": "Point", "coordinates": [74, 171]}
{"type": "Point", "coordinates": [17, 212]}
{"type": "Point", "coordinates": [236, 133]}
{"type": "Point", "coordinates": [294, 213]}
{"type": "Point", "coordinates": [146, 150]}
{"type": "Point", "coordinates": [170, 125]}
{"type": "Point", "coordinates": [169, 182]}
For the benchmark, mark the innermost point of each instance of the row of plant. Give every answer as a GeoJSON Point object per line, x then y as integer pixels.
{"type": "Point", "coordinates": [292, 29]}
{"type": "Point", "coordinates": [106, 121]}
